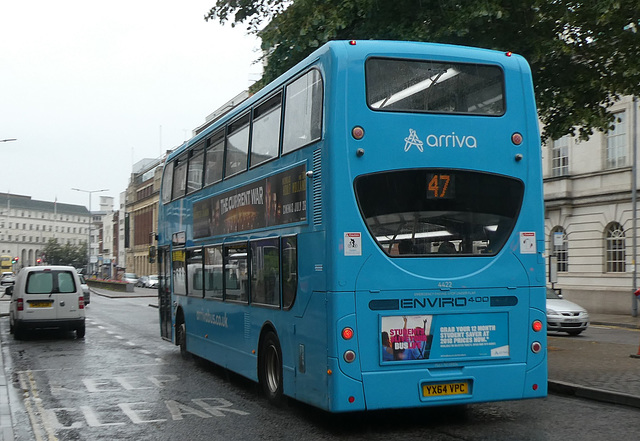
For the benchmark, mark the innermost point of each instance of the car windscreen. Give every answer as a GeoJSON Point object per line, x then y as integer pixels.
{"type": "Point", "coordinates": [399, 85]}
{"type": "Point", "coordinates": [436, 212]}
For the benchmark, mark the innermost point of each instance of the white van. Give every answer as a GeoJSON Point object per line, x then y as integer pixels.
{"type": "Point", "coordinates": [46, 297]}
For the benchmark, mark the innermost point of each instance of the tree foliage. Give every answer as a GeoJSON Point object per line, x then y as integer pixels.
{"type": "Point", "coordinates": [583, 55]}
{"type": "Point", "coordinates": [67, 254]}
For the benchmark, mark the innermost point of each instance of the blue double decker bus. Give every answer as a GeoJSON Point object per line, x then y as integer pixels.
{"type": "Point", "coordinates": [366, 232]}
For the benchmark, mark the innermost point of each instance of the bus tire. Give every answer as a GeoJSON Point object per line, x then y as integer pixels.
{"type": "Point", "coordinates": [270, 368]}
{"type": "Point", "coordinates": [181, 330]}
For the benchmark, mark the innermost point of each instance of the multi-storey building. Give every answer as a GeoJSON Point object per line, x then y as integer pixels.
{"type": "Point", "coordinates": [141, 217]}
{"type": "Point", "coordinates": [26, 225]}
{"type": "Point", "coordinates": [590, 213]}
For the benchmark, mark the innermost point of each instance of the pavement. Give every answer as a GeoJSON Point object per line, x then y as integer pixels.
{"type": "Point", "coordinates": [608, 372]}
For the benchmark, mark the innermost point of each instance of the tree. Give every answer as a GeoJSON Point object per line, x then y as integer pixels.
{"type": "Point", "coordinates": [67, 254]}
{"type": "Point", "coordinates": [583, 55]}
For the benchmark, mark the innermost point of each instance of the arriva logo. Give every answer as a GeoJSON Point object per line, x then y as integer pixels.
{"type": "Point", "coordinates": [451, 140]}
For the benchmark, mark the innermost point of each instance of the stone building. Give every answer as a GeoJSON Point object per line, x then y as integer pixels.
{"type": "Point", "coordinates": [26, 225]}
{"type": "Point", "coordinates": [141, 215]}
{"type": "Point", "coordinates": [589, 215]}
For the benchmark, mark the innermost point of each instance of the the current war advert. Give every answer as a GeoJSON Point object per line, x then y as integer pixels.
{"type": "Point", "coordinates": [277, 200]}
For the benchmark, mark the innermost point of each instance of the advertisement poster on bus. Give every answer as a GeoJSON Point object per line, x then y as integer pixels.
{"type": "Point", "coordinates": [277, 200]}
{"type": "Point", "coordinates": [422, 337]}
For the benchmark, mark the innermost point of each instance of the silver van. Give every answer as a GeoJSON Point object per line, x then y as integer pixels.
{"type": "Point", "coordinates": [46, 297]}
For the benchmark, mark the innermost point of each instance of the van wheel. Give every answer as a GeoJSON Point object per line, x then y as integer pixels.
{"type": "Point", "coordinates": [80, 332]}
{"type": "Point", "coordinates": [18, 333]}
{"type": "Point", "coordinates": [270, 368]}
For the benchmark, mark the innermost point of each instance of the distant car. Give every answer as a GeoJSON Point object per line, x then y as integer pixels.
{"type": "Point", "coordinates": [46, 297]}
{"type": "Point", "coordinates": [565, 316]}
{"type": "Point", "coordinates": [7, 279]}
{"type": "Point", "coordinates": [85, 289]}
{"type": "Point", "coordinates": [130, 278]}
{"type": "Point", "coordinates": [152, 281]}
{"type": "Point", "coordinates": [142, 281]}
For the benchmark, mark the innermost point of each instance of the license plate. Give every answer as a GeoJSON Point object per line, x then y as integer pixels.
{"type": "Point", "coordinates": [40, 304]}
{"type": "Point", "coordinates": [438, 390]}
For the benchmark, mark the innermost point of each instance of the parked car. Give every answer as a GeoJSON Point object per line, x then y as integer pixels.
{"type": "Point", "coordinates": [46, 297]}
{"type": "Point", "coordinates": [85, 289]}
{"type": "Point", "coordinates": [130, 278]}
{"type": "Point", "coordinates": [142, 282]}
{"type": "Point", "coordinates": [7, 279]}
{"type": "Point", "coordinates": [152, 281]}
{"type": "Point", "coordinates": [565, 316]}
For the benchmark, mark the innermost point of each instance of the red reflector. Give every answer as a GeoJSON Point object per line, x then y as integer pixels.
{"type": "Point", "coordinates": [535, 387]}
{"type": "Point", "coordinates": [516, 138]}
{"type": "Point", "coordinates": [357, 132]}
{"type": "Point", "coordinates": [347, 333]}
{"type": "Point", "coordinates": [349, 356]}
{"type": "Point", "coordinates": [352, 399]}
{"type": "Point", "coordinates": [537, 325]}
{"type": "Point", "coordinates": [536, 347]}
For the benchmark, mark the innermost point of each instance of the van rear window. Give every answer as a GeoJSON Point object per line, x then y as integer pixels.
{"type": "Point", "coordinates": [50, 282]}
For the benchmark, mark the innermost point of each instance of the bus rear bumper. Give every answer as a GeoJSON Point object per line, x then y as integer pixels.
{"type": "Point", "coordinates": [450, 386]}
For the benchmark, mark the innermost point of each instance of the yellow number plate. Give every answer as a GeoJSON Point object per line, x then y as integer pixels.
{"type": "Point", "coordinates": [42, 304]}
{"type": "Point", "coordinates": [437, 390]}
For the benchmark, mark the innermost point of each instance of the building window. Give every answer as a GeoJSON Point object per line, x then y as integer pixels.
{"type": "Point", "coordinates": [560, 157]}
{"type": "Point", "coordinates": [560, 248]}
{"type": "Point", "coordinates": [615, 248]}
{"type": "Point", "coordinates": [617, 142]}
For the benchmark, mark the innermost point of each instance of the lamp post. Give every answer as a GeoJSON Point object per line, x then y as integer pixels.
{"type": "Point", "coordinates": [90, 222]}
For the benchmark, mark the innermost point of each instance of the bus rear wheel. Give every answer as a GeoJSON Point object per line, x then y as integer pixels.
{"type": "Point", "coordinates": [181, 331]}
{"type": "Point", "coordinates": [270, 372]}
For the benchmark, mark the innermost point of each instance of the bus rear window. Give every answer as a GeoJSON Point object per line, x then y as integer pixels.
{"type": "Point", "coordinates": [438, 87]}
{"type": "Point", "coordinates": [436, 212]}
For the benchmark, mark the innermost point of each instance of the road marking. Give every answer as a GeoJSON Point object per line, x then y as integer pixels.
{"type": "Point", "coordinates": [37, 417]}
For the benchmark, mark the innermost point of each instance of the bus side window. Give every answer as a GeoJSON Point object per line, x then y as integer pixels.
{"type": "Point", "coordinates": [167, 182]}
{"type": "Point", "coordinates": [179, 177]}
{"type": "Point", "coordinates": [194, 273]}
{"type": "Point", "coordinates": [289, 270]}
{"type": "Point", "coordinates": [237, 146]}
{"type": "Point", "coordinates": [213, 272]}
{"type": "Point", "coordinates": [303, 111]}
{"type": "Point", "coordinates": [214, 159]}
{"type": "Point", "coordinates": [236, 286]}
{"type": "Point", "coordinates": [265, 272]}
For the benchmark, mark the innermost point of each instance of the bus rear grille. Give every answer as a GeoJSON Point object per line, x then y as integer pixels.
{"type": "Point", "coordinates": [317, 187]}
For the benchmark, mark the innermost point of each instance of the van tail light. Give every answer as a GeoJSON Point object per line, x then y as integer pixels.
{"type": "Point", "coordinates": [20, 304]}
{"type": "Point", "coordinates": [80, 302]}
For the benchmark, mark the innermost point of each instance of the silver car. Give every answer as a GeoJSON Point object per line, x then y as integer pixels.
{"type": "Point", "coordinates": [565, 316]}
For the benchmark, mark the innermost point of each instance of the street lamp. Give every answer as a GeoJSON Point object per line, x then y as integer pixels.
{"type": "Point", "coordinates": [90, 223]}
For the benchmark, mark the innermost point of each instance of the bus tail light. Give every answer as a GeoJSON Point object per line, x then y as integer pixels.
{"type": "Point", "coordinates": [20, 304]}
{"type": "Point", "coordinates": [536, 325]}
{"type": "Point", "coordinates": [536, 347]}
{"type": "Point", "coordinates": [347, 333]}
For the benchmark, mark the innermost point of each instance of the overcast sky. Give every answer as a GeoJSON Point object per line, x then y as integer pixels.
{"type": "Point", "coordinates": [89, 88]}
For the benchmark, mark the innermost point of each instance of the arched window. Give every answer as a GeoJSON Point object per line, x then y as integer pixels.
{"type": "Point", "coordinates": [615, 248]}
{"type": "Point", "coordinates": [560, 248]}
